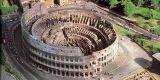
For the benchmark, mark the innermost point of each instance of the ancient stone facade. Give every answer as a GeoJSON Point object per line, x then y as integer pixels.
{"type": "Point", "coordinates": [27, 4]}
{"type": "Point", "coordinates": [64, 2]}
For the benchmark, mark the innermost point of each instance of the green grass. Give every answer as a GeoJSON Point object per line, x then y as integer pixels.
{"type": "Point", "coordinates": [157, 30]}
{"type": "Point", "coordinates": [150, 46]}
{"type": "Point", "coordinates": [149, 25]}
{"type": "Point", "coordinates": [8, 69]}
{"type": "Point", "coordinates": [9, 9]}
{"type": "Point", "coordinates": [6, 8]}
{"type": "Point", "coordinates": [146, 24]}
{"type": "Point", "coordinates": [121, 31]}
{"type": "Point", "coordinates": [156, 44]}
{"type": "Point", "coordinates": [147, 43]}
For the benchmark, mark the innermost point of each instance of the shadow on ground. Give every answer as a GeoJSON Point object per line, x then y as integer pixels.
{"type": "Point", "coordinates": [143, 62]}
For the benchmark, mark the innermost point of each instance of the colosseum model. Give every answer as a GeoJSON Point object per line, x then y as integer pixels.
{"type": "Point", "coordinates": [68, 42]}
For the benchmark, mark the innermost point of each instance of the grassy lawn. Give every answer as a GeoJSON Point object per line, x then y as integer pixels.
{"type": "Point", "coordinates": [155, 44]}
{"type": "Point", "coordinates": [121, 31]}
{"type": "Point", "coordinates": [150, 46]}
{"type": "Point", "coordinates": [149, 25]}
{"type": "Point", "coordinates": [6, 8]}
{"type": "Point", "coordinates": [11, 71]}
{"type": "Point", "coordinates": [157, 30]}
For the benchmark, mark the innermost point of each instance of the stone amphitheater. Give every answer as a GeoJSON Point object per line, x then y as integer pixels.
{"type": "Point", "coordinates": [140, 75]}
{"type": "Point", "coordinates": [68, 43]}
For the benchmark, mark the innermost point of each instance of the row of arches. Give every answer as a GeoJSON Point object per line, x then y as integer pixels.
{"type": "Point", "coordinates": [60, 72]}
{"type": "Point", "coordinates": [58, 64]}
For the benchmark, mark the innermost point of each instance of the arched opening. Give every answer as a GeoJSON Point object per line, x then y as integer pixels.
{"type": "Point", "coordinates": [54, 71]}
{"type": "Point", "coordinates": [56, 2]}
{"type": "Point", "coordinates": [67, 66]}
{"type": "Point", "coordinates": [53, 63]}
{"type": "Point", "coordinates": [71, 59]}
{"type": "Point", "coordinates": [77, 74]}
{"type": "Point", "coordinates": [72, 74]}
{"type": "Point", "coordinates": [76, 67]}
{"type": "Point", "coordinates": [86, 67]}
{"type": "Point", "coordinates": [104, 57]}
{"type": "Point", "coordinates": [81, 67]}
{"type": "Point", "coordinates": [72, 67]}
{"type": "Point", "coordinates": [58, 65]}
{"type": "Point", "coordinates": [50, 70]}
{"type": "Point", "coordinates": [91, 73]}
{"type": "Point", "coordinates": [105, 63]}
{"type": "Point", "coordinates": [62, 65]}
{"type": "Point", "coordinates": [98, 69]}
{"type": "Point", "coordinates": [67, 73]}
{"type": "Point", "coordinates": [86, 74]}
{"type": "Point", "coordinates": [58, 72]}
{"type": "Point", "coordinates": [63, 74]}
{"type": "Point", "coordinates": [81, 74]}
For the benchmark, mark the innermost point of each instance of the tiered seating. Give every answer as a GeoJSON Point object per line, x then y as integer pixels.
{"type": "Point", "coordinates": [29, 15]}
{"type": "Point", "coordinates": [89, 29]}
{"type": "Point", "coordinates": [81, 31]}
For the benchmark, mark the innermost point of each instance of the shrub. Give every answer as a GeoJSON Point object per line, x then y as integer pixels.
{"type": "Point", "coordinates": [129, 9]}
{"type": "Point", "coordinates": [8, 9]}
{"type": "Point", "coordinates": [145, 12]}
{"type": "Point", "coordinates": [113, 3]}
{"type": "Point", "coordinates": [155, 14]}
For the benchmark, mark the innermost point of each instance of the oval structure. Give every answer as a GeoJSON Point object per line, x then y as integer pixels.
{"type": "Point", "coordinates": [68, 42]}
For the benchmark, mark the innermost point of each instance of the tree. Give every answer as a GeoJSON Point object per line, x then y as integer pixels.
{"type": "Point", "coordinates": [129, 9]}
{"type": "Point", "coordinates": [142, 43]}
{"type": "Point", "coordinates": [113, 3]}
{"type": "Point", "coordinates": [156, 4]}
{"type": "Point", "coordinates": [158, 49]}
{"type": "Point", "coordinates": [2, 58]}
{"type": "Point", "coordinates": [145, 12]}
{"type": "Point", "coordinates": [139, 2]}
{"type": "Point", "coordinates": [155, 14]}
{"type": "Point", "coordinates": [1, 3]}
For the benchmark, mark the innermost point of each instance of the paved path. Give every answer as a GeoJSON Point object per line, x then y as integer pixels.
{"type": "Point", "coordinates": [10, 50]}
{"type": "Point", "coordinates": [6, 76]}
{"type": "Point", "coordinates": [137, 57]}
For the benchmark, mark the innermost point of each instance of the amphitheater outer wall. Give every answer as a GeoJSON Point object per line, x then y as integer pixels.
{"type": "Point", "coordinates": [65, 61]}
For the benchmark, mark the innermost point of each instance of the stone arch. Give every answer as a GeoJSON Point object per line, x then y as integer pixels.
{"type": "Point", "coordinates": [81, 74]}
